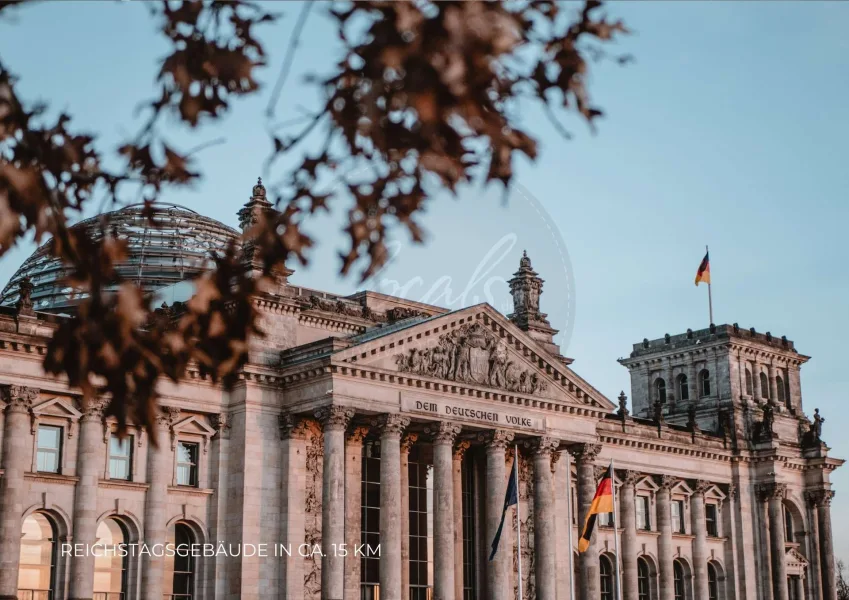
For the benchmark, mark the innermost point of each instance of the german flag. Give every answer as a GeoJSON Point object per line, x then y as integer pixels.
{"type": "Point", "coordinates": [602, 503]}
{"type": "Point", "coordinates": [703, 274]}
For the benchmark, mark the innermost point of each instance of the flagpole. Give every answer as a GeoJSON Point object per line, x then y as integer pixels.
{"type": "Point", "coordinates": [518, 516]}
{"type": "Point", "coordinates": [569, 523]}
{"type": "Point", "coordinates": [615, 533]}
{"type": "Point", "coordinates": [710, 298]}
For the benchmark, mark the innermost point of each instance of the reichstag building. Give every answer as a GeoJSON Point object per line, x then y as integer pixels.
{"type": "Point", "coordinates": [365, 452]}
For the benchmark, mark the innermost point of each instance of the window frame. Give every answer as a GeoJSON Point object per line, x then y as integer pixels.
{"type": "Point", "coordinates": [660, 390]}
{"type": "Point", "coordinates": [129, 458]}
{"type": "Point", "coordinates": [643, 501]}
{"type": "Point", "coordinates": [682, 519]}
{"type": "Point", "coordinates": [750, 386]}
{"type": "Point", "coordinates": [712, 507]}
{"type": "Point", "coordinates": [58, 451]}
{"type": "Point", "coordinates": [606, 594]}
{"type": "Point", "coordinates": [194, 467]}
{"type": "Point", "coordinates": [704, 383]}
{"type": "Point", "coordinates": [679, 584]}
{"type": "Point", "coordinates": [643, 579]}
{"type": "Point", "coordinates": [764, 383]}
{"type": "Point", "coordinates": [683, 387]}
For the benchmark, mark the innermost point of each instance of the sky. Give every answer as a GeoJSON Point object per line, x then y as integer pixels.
{"type": "Point", "coordinates": [729, 129]}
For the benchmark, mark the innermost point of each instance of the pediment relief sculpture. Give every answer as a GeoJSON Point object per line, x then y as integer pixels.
{"type": "Point", "coordinates": [472, 354]}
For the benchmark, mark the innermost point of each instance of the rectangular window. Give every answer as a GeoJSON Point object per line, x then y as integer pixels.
{"type": "Point", "coordinates": [678, 516]}
{"type": "Point", "coordinates": [187, 464]}
{"type": "Point", "coordinates": [604, 519]}
{"type": "Point", "coordinates": [121, 457]}
{"type": "Point", "coordinates": [421, 525]}
{"type": "Point", "coordinates": [49, 449]}
{"type": "Point", "coordinates": [370, 524]}
{"type": "Point", "coordinates": [643, 522]}
{"type": "Point", "coordinates": [469, 537]}
{"type": "Point", "coordinates": [710, 520]}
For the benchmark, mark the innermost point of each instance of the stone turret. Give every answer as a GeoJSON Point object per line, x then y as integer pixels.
{"type": "Point", "coordinates": [257, 207]}
{"type": "Point", "coordinates": [526, 289]}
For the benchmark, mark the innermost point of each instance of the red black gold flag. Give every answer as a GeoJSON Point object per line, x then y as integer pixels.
{"type": "Point", "coordinates": [703, 274]}
{"type": "Point", "coordinates": [602, 503]}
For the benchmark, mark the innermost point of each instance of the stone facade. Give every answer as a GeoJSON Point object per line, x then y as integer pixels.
{"type": "Point", "coordinates": [375, 418]}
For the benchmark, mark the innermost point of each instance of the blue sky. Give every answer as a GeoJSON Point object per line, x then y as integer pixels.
{"type": "Point", "coordinates": [730, 129]}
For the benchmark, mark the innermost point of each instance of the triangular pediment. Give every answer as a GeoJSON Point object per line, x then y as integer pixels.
{"type": "Point", "coordinates": [193, 425]}
{"type": "Point", "coordinates": [56, 407]}
{"type": "Point", "coordinates": [476, 346]}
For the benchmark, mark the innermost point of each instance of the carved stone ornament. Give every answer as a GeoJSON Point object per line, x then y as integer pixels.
{"type": "Point", "coordinates": [732, 491]}
{"type": "Point", "coordinates": [19, 398]}
{"type": "Point", "coordinates": [771, 490]}
{"type": "Point", "coordinates": [702, 487]}
{"type": "Point", "coordinates": [408, 441]}
{"type": "Point", "coordinates": [623, 405]}
{"type": "Point", "coordinates": [631, 478]}
{"type": "Point", "coordinates": [94, 409]}
{"type": "Point", "coordinates": [471, 354]}
{"type": "Point", "coordinates": [667, 482]}
{"type": "Point", "coordinates": [496, 439]}
{"type": "Point", "coordinates": [444, 432]}
{"type": "Point", "coordinates": [585, 452]}
{"type": "Point", "coordinates": [334, 417]}
{"type": "Point", "coordinates": [221, 423]}
{"type": "Point", "coordinates": [392, 424]}
{"type": "Point", "coordinates": [167, 415]}
{"type": "Point", "coordinates": [555, 458]}
{"type": "Point", "coordinates": [358, 434]}
{"type": "Point", "coordinates": [819, 498]}
{"type": "Point", "coordinates": [544, 446]}
{"type": "Point", "coordinates": [460, 449]}
{"type": "Point", "coordinates": [293, 427]}
{"type": "Point", "coordinates": [24, 304]}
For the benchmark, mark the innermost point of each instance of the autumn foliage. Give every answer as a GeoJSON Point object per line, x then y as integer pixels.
{"type": "Point", "coordinates": [424, 97]}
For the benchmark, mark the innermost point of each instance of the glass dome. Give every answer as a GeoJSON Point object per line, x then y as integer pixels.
{"type": "Point", "coordinates": [178, 247]}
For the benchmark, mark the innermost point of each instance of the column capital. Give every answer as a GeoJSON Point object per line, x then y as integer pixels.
{"type": "Point", "coordinates": [733, 492]}
{"type": "Point", "coordinates": [444, 432]}
{"type": "Point", "coordinates": [630, 478]}
{"type": "Point", "coordinates": [221, 424]}
{"type": "Point", "coordinates": [392, 424]}
{"type": "Point", "coordinates": [544, 446]}
{"type": "Point", "coordinates": [357, 434]}
{"type": "Point", "coordinates": [292, 427]}
{"type": "Point", "coordinates": [94, 409]}
{"type": "Point", "coordinates": [167, 415]}
{"type": "Point", "coordinates": [585, 452]}
{"type": "Point", "coordinates": [819, 498]}
{"type": "Point", "coordinates": [555, 457]}
{"type": "Point", "coordinates": [460, 449]}
{"type": "Point", "coordinates": [667, 482]}
{"type": "Point", "coordinates": [766, 491]}
{"type": "Point", "coordinates": [334, 418]}
{"type": "Point", "coordinates": [497, 439]}
{"type": "Point", "coordinates": [408, 441]}
{"type": "Point", "coordinates": [19, 398]}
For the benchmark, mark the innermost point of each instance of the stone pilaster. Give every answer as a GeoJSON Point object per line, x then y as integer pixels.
{"type": "Point", "coordinates": [353, 508]}
{"type": "Point", "coordinates": [89, 463]}
{"type": "Point", "coordinates": [499, 586]}
{"type": "Point", "coordinates": [700, 553]}
{"type": "Point", "coordinates": [628, 517]}
{"type": "Point", "coordinates": [670, 383]}
{"type": "Point", "coordinates": [391, 428]}
{"type": "Point", "coordinates": [160, 469]}
{"type": "Point", "coordinates": [814, 571]}
{"type": "Point", "coordinates": [773, 494]}
{"type": "Point", "coordinates": [585, 455]}
{"type": "Point", "coordinates": [459, 550]}
{"type": "Point", "coordinates": [334, 421]}
{"type": "Point", "coordinates": [770, 373]}
{"type": "Point", "coordinates": [293, 430]}
{"type": "Point", "coordinates": [16, 444]}
{"type": "Point", "coordinates": [664, 542]}
{"type": "Point", "coordinates": [692, 384]}
{"type": "Point", "coordinates": [443, 510]}
{"type": "Point", "coordinates": [407, 443]}
{"type": "Point", "coordinates": [821, 500]}
{"type": "Point", "coordinates": [545, 544]}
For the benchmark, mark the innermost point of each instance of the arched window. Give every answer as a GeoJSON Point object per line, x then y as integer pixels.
{"type": "Point", "coordinates": [643, 580]}
{"type": "Point", "coordinates": [788, 525]}
{"type": "Point", "coordinates": [764, 386]}
{"type": "Point", "coordinates": [704, 382]}
{"type": "Point", "coordinates": [713, 583]}
{"type": "Point", "coordinates": [678, 580]}
{"type": "Point", "coordinates": [36, 573]}
{"type": "Point", "coordinates": [749, 389]}
{"type": "Point", "coordinates": [683, 388]}
{"type": "Point", "coordinates": [110, 568]}
{"type": "Point", "coordinates": [606, 577]}
{"type": "Point", "coordinates": [660, 386]}
{"type": "Point", "coordinates": [182, 565]}
{"type": "Point", "coordinates": [779, 389]}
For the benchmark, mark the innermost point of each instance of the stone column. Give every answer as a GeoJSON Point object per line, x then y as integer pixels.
{"type": "Point", "coordinates": [628, 518]}
{"type": "Point", "coordinates": [664, 542]}
{"type": "Point", "coordinates": [406, 445]}
{"type": "Point", "coordinates": [353, 508]}
{"type": "Point", "coordinates": [585, 455]}
{"type": "Point", "coordinates": [773, 494]}
{"type": "Point", "coordinates": [545, 543]}
{"type": "Point", "coordinates": [160, 469]}
{"type": "Point", "coordinates": [670, 384]}
{"type": "Point", "coordinates": [293, 430]}
{"type": "Point", "coordinates": [334, 421]}
{"type": "Point", "coordinates": [700, 553]}
{"type": "Point", "coordinates": [800, 587]}
{"type": "Point", "coordinates": [443, 510]}
{"type": "Point", "coordinates": [822, 500]}
{"type": "Point", "coordinates": [814, 570]}
{"type": "Point", "coordinates": [392, 426]}
{"type": "Point", "coordinates": [756, 381]}
{"type": "Point", "coordinates": [459, 550]}
{"type": "Point", "coordinates": [89, 464]}
{"type": "Point", "coordinates": [770, 373]}
{"type": "Point", "coordinates": [498, 585]}
{"type": "Point", "coordinates": [16, 444]}
{"type": "Point", "coordinates": [692, 386]}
